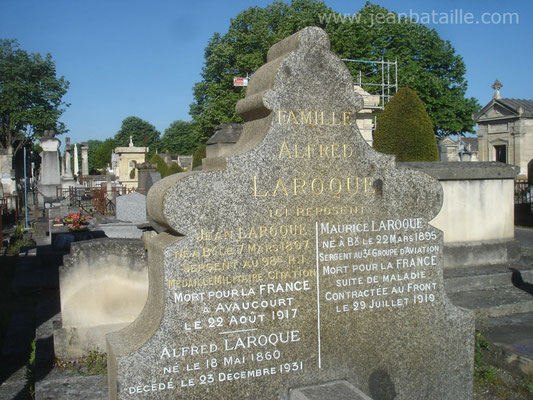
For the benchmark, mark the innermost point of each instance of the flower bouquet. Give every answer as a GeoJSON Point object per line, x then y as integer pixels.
{"type": "Point", "coordinates": [77, 221]}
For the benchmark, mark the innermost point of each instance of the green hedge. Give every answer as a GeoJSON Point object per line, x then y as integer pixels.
{"type": "Point", "coordinates": [404, 128]}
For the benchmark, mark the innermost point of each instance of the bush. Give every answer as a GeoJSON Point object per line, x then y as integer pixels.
{"type": "Point", "coordinates": [405, 129]}
{"type": "Point", "coordinates": [161, 165]}
{"type": "Point", "coordinates": [198, 155]}
{"type": "Point", "coordinates": [173, 168]}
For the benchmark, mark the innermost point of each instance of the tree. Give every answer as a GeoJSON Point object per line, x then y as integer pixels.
{"type": "Point", "coordinates": [427, 63]}
{"type": "Point", "coordinates": [240, 52]}
{"type": "Point", "coordinates": [93, 146]}
{"type": "Point", "coordinates": [142, 132]}
{"type": "Point", "coordinates": [179, 138]}
{"type": "Point", "coordinates": [30, 96]}
{"type": "Point", "coordinates": [405, 129]}
{"type": "Point", "coordinates": [100, 157]}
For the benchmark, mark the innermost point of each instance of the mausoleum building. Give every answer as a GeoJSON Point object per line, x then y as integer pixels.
{"type": "Point", "coordinates": [128, 158]}
{"type": "Point", "coordinates": [505, 130]}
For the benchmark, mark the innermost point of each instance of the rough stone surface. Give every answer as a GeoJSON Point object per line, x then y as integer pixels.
{"type": "Point", "coordinates": [131, 207]}
{"type": "Point", "coordinates": [305, 257]}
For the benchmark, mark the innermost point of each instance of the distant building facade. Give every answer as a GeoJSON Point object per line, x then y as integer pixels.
{"type": "Point", "coordinates": [124, 160]}
{"type": "Point", "coordinates": [462, 149]}
{"type": "Point", "coordinates": [365, 116]}
{"type": "Point", "coordinates": [505, 131]}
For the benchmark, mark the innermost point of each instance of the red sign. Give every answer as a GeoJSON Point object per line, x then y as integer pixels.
{"type": "Point", "coordinates": [240, 81]}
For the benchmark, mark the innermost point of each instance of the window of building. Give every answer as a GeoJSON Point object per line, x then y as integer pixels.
{"type": "Point", "coordinates": [501, 153]}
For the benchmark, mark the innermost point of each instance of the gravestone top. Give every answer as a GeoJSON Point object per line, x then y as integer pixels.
{"type": "Point", "coordinates": [151, 179]}
{"type": "Point", "coordinates": [307, 257]}
{"type": "Point", "coordinates": [131, 207]}
{"type": "Point", "coordinates": [226, 133]}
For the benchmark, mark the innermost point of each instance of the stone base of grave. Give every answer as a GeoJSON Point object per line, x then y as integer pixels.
{"type": "Point", "coordinates": [47, 194]}
{"type": "Point", "coordinates": [69, 182]}
{"type": "Point", "coordinates": [338, 390]}
{"type": "Point", "coordinates": [73, 342]}
{"type": "Point", "coordinates": [485, 252]}
{"type": "Point", "coordinates": [124, 230]}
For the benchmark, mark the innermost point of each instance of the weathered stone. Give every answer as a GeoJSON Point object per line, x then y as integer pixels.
{"type": "Point", "coordinates": [103, 285]}
{"type": "Point", "coordinates": [131, 207]}
{"type": "Point", "coordinates": [304, 257]}
{"type": "Point", "coordinates": [152, 178]}
{"type": "Point", "coordinates": [49, 178]}
{"type": "Point", "coordinates": [144, 170]}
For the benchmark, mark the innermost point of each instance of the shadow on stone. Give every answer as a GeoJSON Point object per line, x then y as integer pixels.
{"type": "Point", "coordinates": [381, 386]}
{"type": "Point", "coordinates": [518, 282]}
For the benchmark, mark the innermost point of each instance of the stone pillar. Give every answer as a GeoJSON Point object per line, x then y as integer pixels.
{"type": "Point", "coordinates": [67, 178]}
{"type": "Point", "coordinates": [110, 194]}
{"type": "Point", "coordinates": [68, 168]}
{"type": "Point", "coordinates": [76, 164]}
{"type": "Point", "coordinates": [6, 171]}
{"type": "Point", "coordinates": [84, 159]}
{"type": "Point", "coordinates": [144, 169]}
{"type": "Point", "coordinates": [50, 178]}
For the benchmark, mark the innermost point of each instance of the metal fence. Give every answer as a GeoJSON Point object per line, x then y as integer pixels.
{"type": "Point", "coordinates": [10, 208]}
{"type": "Point", "coordinates": [523, 192]}
{"type": "Point", "coordinates": [93, 200]}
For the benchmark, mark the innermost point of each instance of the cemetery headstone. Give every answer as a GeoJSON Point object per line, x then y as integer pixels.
{"type": "Point", "coordinates": [144, 170]}
{"type": "Point", "coordinates": [131, 207]}
{"type": "Point", "coordinates": [85, 159]}
{"type": "Point", "coordinates": [224, 138]}
{"type": "Point", "coordinates": [67, 178]}
{"type": "Point", "coordinates": [49, 178]}
{"type": "Point", "coordinates": [152, 178]}
{"type": "Point", "coordinates": [307, 258]}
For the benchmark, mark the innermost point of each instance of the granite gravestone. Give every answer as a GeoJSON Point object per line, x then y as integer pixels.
{"type": "Point", "coordinates": [307, 258]}
{"type": "Point", "coordinates": [131, 207]}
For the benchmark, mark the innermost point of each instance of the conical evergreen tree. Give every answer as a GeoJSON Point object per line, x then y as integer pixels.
{"type": "Point", "coordinates": [405, 129]}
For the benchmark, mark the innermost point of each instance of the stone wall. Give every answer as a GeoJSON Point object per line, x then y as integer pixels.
{"type": "Point", "coordinates": [477, 216]}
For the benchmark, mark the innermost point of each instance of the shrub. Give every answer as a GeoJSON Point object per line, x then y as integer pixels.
{"type": "Point", "coordinates": [405, 129]}
{"type": "Point", "coordinates": [173, 168]}
{"type": "Point", "coordinates": [161, 165]}
{"type": "Point", "coordinates": [198, 155]}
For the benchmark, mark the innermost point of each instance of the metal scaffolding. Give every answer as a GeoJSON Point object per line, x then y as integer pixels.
{"type": "Point", "coordinates": [381, 69]}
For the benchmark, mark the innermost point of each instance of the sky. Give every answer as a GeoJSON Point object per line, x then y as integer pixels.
{"type": "Point", "coordinates": [142, 58]}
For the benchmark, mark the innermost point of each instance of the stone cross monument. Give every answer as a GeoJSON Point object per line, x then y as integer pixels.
{"type": "Point", "coordinates": [497, 86]}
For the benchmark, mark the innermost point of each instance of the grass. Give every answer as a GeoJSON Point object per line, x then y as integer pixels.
{"type": "Point", "coordinates": [491, 383]}
{"type": "Point", "coordinates": [30, 372]}
{"type": "Point", "coordinates": [94, 363]}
